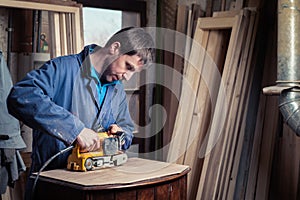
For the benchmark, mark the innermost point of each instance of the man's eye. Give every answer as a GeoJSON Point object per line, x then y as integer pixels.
{"type": "Point", "coordinates": [130, 67]}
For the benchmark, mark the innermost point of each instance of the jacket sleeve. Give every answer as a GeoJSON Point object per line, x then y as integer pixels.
{"type": "Point", "coordinates": [124, 120]}
{"type": "Point", "coordinates": [33, 101]}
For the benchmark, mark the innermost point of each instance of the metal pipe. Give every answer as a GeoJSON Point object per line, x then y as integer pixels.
{"type": "Point", "coordinates": [288, 63]}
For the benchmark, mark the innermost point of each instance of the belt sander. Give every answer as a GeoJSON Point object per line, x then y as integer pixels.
{"type": "Point", "coordinates": [110, 154]}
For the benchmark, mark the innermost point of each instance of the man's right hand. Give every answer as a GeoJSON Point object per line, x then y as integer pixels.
{"type": "Point", "coordinates": [88, 140]}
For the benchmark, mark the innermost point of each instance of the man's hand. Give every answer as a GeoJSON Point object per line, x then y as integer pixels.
{"type": "Point", "coordinates": [88, 140]}
{"type": "Point", "coordinates": [113, 129]}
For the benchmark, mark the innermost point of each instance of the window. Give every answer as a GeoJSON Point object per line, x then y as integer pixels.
{"type": "Point", "coordinates": [98, 31]}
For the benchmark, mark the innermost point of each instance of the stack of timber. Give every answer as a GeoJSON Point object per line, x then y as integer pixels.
{"type": "Point", "coordinates": [210, 123]}
{"type": "Point", "coordinates": [261, 145]}
{"type": "Point", "coordinates": [66, 33]}
{"type": "Point", "coordinates": [65, 24]}
{"type": "Point", "coordinates": [186, 21]}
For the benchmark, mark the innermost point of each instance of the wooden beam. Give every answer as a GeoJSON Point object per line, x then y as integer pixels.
{"type": "Point", "coordinates": [38, 6]}
{"type": "Point", "coordinates": [186, 104]}
{"type": "Point", "coordinates": [69, 34]}
{"type": "Point", "coordinates": [77, 32]}
{"type": "Point", "coordinates": [193, 15]}
{"type": "Point", "coordinates": [63, 33]}
{"type": "Point", "coordinates": [55, 47]}
{"type": "Point", "coordinates": [188, 94]}
{"type": "Point", "coordinates": [213, 23]}
{"type": "Point", "coordinates": [215, 143]}
{"type": "Point", "coordinates": [237, 130]}
{"type": "Point", "coordinates": [203, 109]}
{"type": "Point", "coordinates": [57, 2]}
{"type": "Point", "coordinates": [178, 64]}
{"type": "Point", "coordinates": [239, 4]}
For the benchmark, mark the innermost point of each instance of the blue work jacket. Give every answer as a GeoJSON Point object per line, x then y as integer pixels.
{"type": "Point", "coordinates": [59, 99]}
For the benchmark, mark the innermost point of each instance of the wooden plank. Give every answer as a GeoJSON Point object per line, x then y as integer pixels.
{"type": "Point", "coordinates": [187, 48]}
{"type": "Point", "coordinates": [193, 16]}
{"type": "Point", "coordinates": [181, 27]}
{"type": "Point", "coordinates": [187, 124]}
{"type": "Point", "coordinates": [269, 124]}
{"type": "Point", "coordinates": [232, 120]}
{"type": "Point", "coordinates": [54, 34]}
{"type": "Point", "coordinates": [57, 2]}
{"type": "Point", "coordinates": [245, 78]}
{"type": "Point", "coordinates": [228, 13]}
{"type": "Point", "coordinates": [209, 8]}
{"type": "Point", "coordinates": [77, 32]}
{"type": "Point", "coordinates": [213, 23]}
{"type": "Point", "coordinates": [221, 26]}
{"type": "Point", "coordinates": [223, 5]}
{"type": "Point", "coordinates": [265, 130]}
{"type": "Point", "coordinates": [63, 33]}
{"type": "Point", "coordinates": [267, 146]}
{"type": "Point", "coordinates": [188, 95]}
{"type": "Point", "coordinates": [60, 29]}
{"type": "Point", "coordinates": [70, 37]}
{"type": "Point", "coordinates": [179, 141]}
{"type": "Point", "coordinates": [168, 58]}
{"type": "Point", "coordinates": [205, 100]}
{"type": "Point", "coordinates": [134, 172]}
{"type": "Point", "coordinates": [235, 115]}
{"type": "Point", "coordinates": [248, 60]}
{"type": "Point", "coordinates": [239, 4]}
{"type": "Point", "coordinates": [212, 161]}
{"type": "Point", "coordinates": [196, 14]}
{"type": "Point", "coordinates": [255, 3]}
{"type": "Point", "coordinates": [39, 6]}
{"type": "Point", "coordinates": [178, 64]}
{"type": "Point", "coordinates": [255, 155]}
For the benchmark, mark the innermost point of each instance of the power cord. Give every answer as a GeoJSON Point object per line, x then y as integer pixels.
{"type": "Point", "coordinates": [45, 165]}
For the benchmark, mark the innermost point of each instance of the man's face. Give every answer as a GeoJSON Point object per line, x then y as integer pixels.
{"type": "Point", "coordinates": [122, 68]}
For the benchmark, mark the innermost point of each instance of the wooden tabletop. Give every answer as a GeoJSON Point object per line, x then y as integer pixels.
{"type": "Point", "coordinates": [135, 172]}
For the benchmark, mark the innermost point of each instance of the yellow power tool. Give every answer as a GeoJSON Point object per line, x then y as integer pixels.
{"type": "Point", "coordinates": [110, 154]}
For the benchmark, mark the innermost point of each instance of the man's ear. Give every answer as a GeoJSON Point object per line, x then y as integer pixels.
{"type": "Point", "coordinates": [114, 48]}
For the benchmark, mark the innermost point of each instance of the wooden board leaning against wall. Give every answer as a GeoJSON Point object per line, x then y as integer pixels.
{"type": "Point", "coordinates": [199, 103]}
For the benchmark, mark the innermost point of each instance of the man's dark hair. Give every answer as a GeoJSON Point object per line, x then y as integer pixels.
{"type": "Point", "coordinates": [134, 41]}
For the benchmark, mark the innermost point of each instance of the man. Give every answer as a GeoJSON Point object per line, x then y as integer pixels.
{"type": "Point", "coordinates": [70, 98]}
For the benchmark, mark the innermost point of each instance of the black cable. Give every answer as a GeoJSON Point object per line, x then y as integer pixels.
{"type": "Point", "coordinates": [45, 165]}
